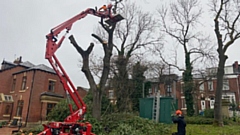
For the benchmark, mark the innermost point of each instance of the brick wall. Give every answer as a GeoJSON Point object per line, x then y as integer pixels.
{"type": "Point", "coordinates": [41, 82]}
{"type": "Point", "coordinates": [81, 92]}
{"type": "Point", "coordinates": [6, 79]}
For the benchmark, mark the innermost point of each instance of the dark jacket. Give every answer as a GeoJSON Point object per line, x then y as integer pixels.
{"type": "Point", "coordinates": [181, 127]}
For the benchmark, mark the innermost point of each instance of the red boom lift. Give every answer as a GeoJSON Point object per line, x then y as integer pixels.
{"type": "Point", "coordinates": [71, 126]}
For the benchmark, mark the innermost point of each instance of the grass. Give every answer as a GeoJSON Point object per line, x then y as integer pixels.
{"type": "Point", "coordinates": [194, 129]}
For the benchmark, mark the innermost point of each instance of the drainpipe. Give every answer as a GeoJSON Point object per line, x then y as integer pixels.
{"type": "Point", "coordinates": [11, 112]}
{"type": "Point", "coordinates": [143, 91]}
{"type": "Point", "coordinates": [238, 88]}
{"type": "Point", "coordinates": [41, 112]}
{"type": "Point", "coordinates": [30, 98]}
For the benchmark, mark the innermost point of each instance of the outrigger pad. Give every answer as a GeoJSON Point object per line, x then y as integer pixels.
{"type": "Point", "coordinates": [114, 19]}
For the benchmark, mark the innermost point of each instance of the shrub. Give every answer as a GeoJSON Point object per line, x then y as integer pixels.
{"type": "Point", "coordinates": [198, 120]}
{"type": "Point", "coordinates": [4, 123]}
{"type": "Point", "coordinates": [125, 129]}
{"type": "Point", "coordinates": [96, 125]}
{"type": "Point", "coordinates": [114, 123]}
{"type": "Point", "coordinates": [209, 113]}
{"type": "Point", "coordinates": [203, 120]}
{"type": "Point", "coordinates": [60, 111]}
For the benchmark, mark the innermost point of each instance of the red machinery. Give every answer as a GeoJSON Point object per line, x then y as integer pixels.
{"type": "Point", "coordinates": [71, 126]}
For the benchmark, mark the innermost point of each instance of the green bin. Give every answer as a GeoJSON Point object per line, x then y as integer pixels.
{"type": "Point", "coordinates": [167, 106]}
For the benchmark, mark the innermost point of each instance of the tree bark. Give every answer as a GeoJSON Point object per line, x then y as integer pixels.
{"type": "Point", "coordinates": [188, 85]}
{"type": "Point", "coordinates": [218, 120]}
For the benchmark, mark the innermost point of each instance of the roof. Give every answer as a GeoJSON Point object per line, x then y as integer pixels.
{"type": "Point", "coordinates": [25, 64]}
{"type": "Point", "coordinates": [43, 68]}
{"type": "Point", "coordinates": [40, 67]}
{"type": "Point", "coordinates": [28, 65]}
{"type": "Point", "coordinates": [6, 65]}
{"type": "Point", "coordinates": [51, 94]}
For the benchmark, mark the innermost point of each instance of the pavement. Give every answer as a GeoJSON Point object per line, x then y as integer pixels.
{"type": "Point", "coordinates": [7, 130]}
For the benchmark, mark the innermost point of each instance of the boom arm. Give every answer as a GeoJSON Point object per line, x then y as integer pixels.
{"type": "Point", "coordinates": [70, 123]}
{"type": "Point", "coordinates": [53, 45]}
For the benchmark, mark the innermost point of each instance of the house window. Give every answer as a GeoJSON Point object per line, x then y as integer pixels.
{"type": "Point", "coordinates": [19, 108]}
{"type": "Point", "coordinates": [13, 85]}
{"type": "Point", "coordinates": [201, 86]}
{"type": "Point", "coordinates": [225, 84]}
{"type": "Point", "coordinates": [7, 109]}
{"type": "Point", "coordinates": [110, 94]}
{"type": "Point", "coordinates": [210, 85]}
{"type": "Point", "coordinates": [203, 106]}
{"type": "Point", "coordinates": [50, 106]}
{"type": "Point", "coordinates": [8, 98]}
{"type": "Point", "coordinates": [226, 97]}
{"type": "Point", "coordinates": [182, 87]}
{"type": "Point", "coordinates": [24, 82]}
{"type": "Point", "coordinates": [212, 103]}
{"type": "Point", "coordinates": [184, 103]}
{"type": "Point", "coordinates": [51, 85]}
{"type": "Point", "coordinates": [150, 90]}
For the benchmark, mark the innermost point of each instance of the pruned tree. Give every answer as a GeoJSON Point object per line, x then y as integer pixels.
{"type": "Point", "coordinates": [180, 22]}
{"type": "Point", "coordinates": [98, 89]}
{"type": "Point", "coordinates": [227, 31]}
{"type": "Point", "coordinates": [132, 35]}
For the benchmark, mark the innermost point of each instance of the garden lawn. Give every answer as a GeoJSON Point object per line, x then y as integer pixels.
{"type": "Point", "coordinates": [194, 129]}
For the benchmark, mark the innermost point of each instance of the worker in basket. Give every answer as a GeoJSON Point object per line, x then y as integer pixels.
{"type": "Point", "coordinates": [181, 124]}
{"type": "Point", "coordinates": [103, 8]}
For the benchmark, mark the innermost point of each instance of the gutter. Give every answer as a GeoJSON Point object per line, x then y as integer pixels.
{"type": "Point", "coordinates": [30, 98]}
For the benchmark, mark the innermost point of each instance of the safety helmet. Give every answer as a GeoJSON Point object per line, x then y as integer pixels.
{"type": "Point", "coordinates": [178, 112]}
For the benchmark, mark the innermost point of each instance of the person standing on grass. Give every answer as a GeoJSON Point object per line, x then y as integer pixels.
{"type": "Point", "coordinates": [181, 124]}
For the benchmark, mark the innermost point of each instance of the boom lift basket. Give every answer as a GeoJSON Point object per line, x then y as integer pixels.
{"type": "Point", "coordinates": [114, 19]}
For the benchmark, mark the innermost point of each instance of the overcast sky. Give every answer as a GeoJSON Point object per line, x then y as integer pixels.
{"type": "Point", "coordinates": [24, 24]}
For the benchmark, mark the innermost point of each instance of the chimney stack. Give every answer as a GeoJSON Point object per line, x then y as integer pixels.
{"type": "Point", "coordinates": [235, 67]}
{"type": "Point", "coordinates": [18, 60]}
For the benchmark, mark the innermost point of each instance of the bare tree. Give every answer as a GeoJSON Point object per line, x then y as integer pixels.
{"type": "Point", "coordinates": [156, 69]}
{"type": "Point", "coordinates": [184, 18]}
{"type": "Point", "coordinates": [132, 34]}
{"type": "Point", "coordinates": [227, 31]}
{"type": "Point", "coordinates": [97, 89]}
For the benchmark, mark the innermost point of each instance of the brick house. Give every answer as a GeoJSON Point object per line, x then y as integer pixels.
{"type": "Point", "coordinates": [28, 92]}
{"type": "Point", "coordinates": [204, 90]}
{"type": "Point", "coordinates": [82, 91]}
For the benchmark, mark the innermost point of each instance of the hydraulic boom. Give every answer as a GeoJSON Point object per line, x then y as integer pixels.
{"type": "Point", "coordinates": [71, 126]}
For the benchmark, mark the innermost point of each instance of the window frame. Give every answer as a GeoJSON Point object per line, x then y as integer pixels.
{"type": "Point", "coordinates": [210, 83]}
{"type": "Point", "coordinates": [13, 85]}
{"type": "Point", "coordinates": [7, 110]}
{"type": "Point", "coordinates": [201, 86]}
{"type": "Point", "coordinates": [226, 84]}
{"type": "Point", "coordinates": [19, 110]}
{"type": "Point", "coordinates": [24, 83]}
{"type": "Point", "coordinates": [48, 109]}
{"type": "Point", "coordinates": [8, 98]}
{"type": "Point", "coordinates": [111, 94]}
{"type": "Point", "coordinates": [182, 87]}
{"type": "Point", "coordinates": [51, 85]}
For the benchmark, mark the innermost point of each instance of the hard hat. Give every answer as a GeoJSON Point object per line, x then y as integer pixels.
{"type": "Point", "coordinates": [178, 112]}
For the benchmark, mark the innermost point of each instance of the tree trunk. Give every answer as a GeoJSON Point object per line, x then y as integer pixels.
{"type": "Point", "coordinates": [122, 84]}
{"type": "Point", "coordinates": [188, 85]}
{"type": "Point", "coordinates": [218, 120]}
{"type": "Point", "coordinates": [97, 103]}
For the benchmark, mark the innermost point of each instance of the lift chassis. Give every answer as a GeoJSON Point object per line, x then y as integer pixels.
{"type": "Point", "coordinates": [71, 126]}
